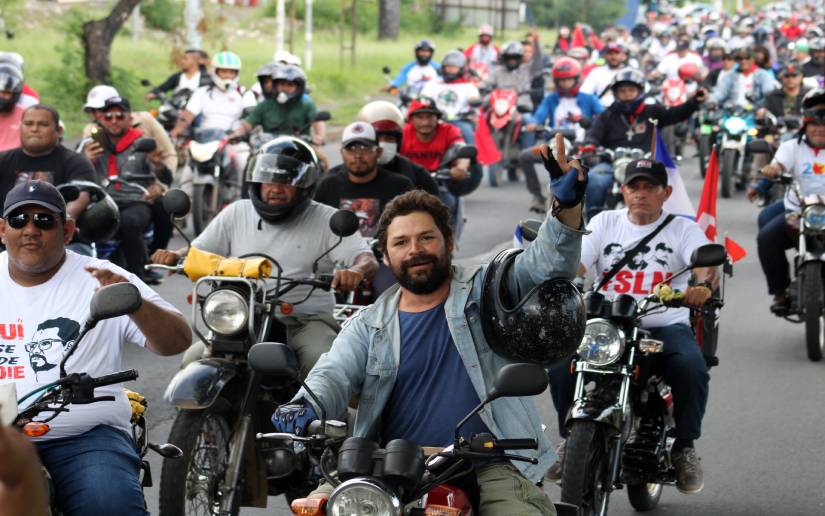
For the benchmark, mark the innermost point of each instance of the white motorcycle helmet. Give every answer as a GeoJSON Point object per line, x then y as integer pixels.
{"type": "Point", "coordinates": [226, 61]}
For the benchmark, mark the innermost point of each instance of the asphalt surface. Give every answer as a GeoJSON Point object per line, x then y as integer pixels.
{"type": "Point", "coordinates": [762, 448]}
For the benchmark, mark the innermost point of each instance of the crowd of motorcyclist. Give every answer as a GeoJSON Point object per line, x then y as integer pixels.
{"type": "Point", "coordinates": [405, 170]}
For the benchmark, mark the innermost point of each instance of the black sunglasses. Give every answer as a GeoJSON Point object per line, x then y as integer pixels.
{"type": "Point", "coordinates": [41, 220]}
{"type": "Point", "coordinates": [120, 115]}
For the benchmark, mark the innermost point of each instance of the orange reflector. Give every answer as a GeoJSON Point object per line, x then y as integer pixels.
{"type": "Point", "coordinates": [637, 372]}
{"type": "Point", "coordinates": [309, 506]}
{"type": "Point", "coordinates": [572, 366]}
{"type": "Point", "coordinates": [287, 308]}
{"type": "Point", "coordinates": [154, 113]}
{"type": "Point", "coordinates": [36, 429]}
{"type": "Point", "coordinates": [189, 298]}
{"type": "Point", "coordinates": [441, 510]}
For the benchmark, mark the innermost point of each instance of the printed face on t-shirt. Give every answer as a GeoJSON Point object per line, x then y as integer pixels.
{"type": "Point", "coordinates": [48, 343]}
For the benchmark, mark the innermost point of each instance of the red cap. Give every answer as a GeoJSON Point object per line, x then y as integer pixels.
{"type": "Point", "coordinates": [423, 105]}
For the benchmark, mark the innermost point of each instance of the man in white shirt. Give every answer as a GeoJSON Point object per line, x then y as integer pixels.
{"type": "Point", "coordinates": [645, 191]}
{"type": "Point", "coordinates": [190, 77]}
{"type": "Point", "coordinates": [45, 293]}
{"type": "Point", "coordinates": [804, 158]}
{"type": "Point", "coordinates": [598, 80]}
{"type": "Point", "coordinates": [669, 66]}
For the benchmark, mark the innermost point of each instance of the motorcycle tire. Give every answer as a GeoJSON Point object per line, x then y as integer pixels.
{"type": "Point", "coordinates": [703, 148]}
{"type": "Point", "coordinates": [644, 497]}
{"type": "Point", "coordinates": [202, 210]}
{"type": "Point", "coordinates": [586, 469]}
{"type": "Point", "coordinates": [179, 478]}
{"type": "Point", "coordinates": [726, 171]}
{"type": "Point", "coordinates": [492, 174]}
{"type": "Point", "coordinates": [812, 299]}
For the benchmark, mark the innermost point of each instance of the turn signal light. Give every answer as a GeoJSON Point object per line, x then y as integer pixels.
{"type": "Point", "coordinates": [189, 298]}
{"type": "Point", "coordinates": [441, 510]}
{"type": "Point", "coordinates": [36, 429]}
{"type": "Point", "coordinates": [287, 308]}
{"type": "Point", "coordinates": [309, 506]}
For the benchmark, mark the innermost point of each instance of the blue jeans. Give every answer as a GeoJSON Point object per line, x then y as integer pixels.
{"type": "Point", "coordinates": [684, 369]}
{"type": "Point", "coordinates": [599, 182]}
{"type": "Point", "coordinates": [773, 239]}
{"type": "Point", "coordinates": [769, 212]}
{"type": "Point", "coordinates": [95, 473]}
{"type": "Point", "coordinates": [468, 132]}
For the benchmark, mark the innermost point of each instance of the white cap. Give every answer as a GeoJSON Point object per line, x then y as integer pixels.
{"type": "Point", "coordinates": [98, 96]}
{"type": "Point", "coordinates": [485, 30]}
{"type": "Point", "coordinates": [282, 56]}
{"type": "Point", "coordinates": [358, 132]}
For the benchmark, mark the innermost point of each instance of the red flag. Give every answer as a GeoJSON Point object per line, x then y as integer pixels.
{"type": "Point", "coordinates": [578, 37]}
{"type": "Point", "coordinates": [735, 251]}
{"type": "Point", "coordinates": [706, 214]}
{"type": "Point", "coordinates": [488, 153]}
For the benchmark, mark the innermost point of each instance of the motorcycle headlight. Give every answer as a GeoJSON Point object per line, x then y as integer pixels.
{"type": "Point", "coordinates": [619, 169]}
{"type": "Point", "coordinates": [225, 312]}
{"type": "Point", "coordinates": [735, 125]}
{"type": "Point", "coordinates": [363, 496]}
{"type": "Point", "coordinates": [603, 343]}
{"type": "Point", "coordinates": [815, 217]}
{"type": "Point", "coordinates": [500, 106]}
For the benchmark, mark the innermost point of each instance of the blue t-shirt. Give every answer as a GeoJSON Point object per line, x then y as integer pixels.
{"type": "Point", "coordinates": [432, 391]}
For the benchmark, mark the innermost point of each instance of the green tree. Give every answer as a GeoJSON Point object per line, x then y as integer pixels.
{"type": "Point", "coordinates": [596, 13]}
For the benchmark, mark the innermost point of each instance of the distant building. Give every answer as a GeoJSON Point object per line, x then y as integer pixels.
{"type": "Point", "coordinates": [501, 14]}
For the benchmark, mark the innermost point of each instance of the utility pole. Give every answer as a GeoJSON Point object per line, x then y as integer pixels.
{"type": "Point", "coordinates": [308, 36]}
{"type": "Point", "coordinates": [280, 23]}
{"type": "Point", "coordinates": [136, 23]}
{"type": "Point", "coordinates": [192, 14]}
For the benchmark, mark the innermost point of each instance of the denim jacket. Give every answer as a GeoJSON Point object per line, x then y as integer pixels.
{"type": "Point", "coordinates": [364, 359]}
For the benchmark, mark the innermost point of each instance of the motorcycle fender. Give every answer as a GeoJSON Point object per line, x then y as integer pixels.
{"type": "Point", "coordinates": [598, 412]}
{"type": "Point", "coordinates": [732, 144]}
{"type": "Point", "coordinates": [199, 384]}
{"type": "Point", "coordinates": [812, 257]}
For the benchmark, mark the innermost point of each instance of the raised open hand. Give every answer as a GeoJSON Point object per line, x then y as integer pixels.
{"type": "Point", "coordinates": [568, 186]}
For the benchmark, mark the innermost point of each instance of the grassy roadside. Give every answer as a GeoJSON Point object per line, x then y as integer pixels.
{"type": "Point", "coordinates": [339, 87]}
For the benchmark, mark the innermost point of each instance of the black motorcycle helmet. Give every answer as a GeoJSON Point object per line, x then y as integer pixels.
{"type": "Point", "coordinates": [629, 76]}
{"type": "Point", "coordinates": [424, 44]}
{"type": "Point", "coordinates": [289, 73]}
{"type": "Point", "coordinates": [453, 58]}
{"type": "Point", "coordinates": [544, 327]}
{"type": "Point", "coordinates": [512, 55]}
{"type": "Point", "coordinates": [266, 72]}
{"type": "Point", "coordinates": [812, 110]}
{"type": "Point", "coordinates": [11, 80]}
{"type": "Point", "coordinates": [286, 160]}
{"type": "Point", "coordinates": [101, 218]}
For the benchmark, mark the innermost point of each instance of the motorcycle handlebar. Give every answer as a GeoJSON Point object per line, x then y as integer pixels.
{"type": "Point", "coordinates": [516, 444]}
{"type": "Point", "coordinates": [114, 378]}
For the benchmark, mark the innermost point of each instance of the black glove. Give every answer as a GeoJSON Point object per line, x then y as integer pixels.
{"type": "Point", "coordinates": [567, 188]}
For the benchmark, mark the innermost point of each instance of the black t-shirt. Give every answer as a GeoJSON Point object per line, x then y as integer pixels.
{"type": "Point", "coordinates": [60, 166]}
{"type": "Point", "coordinates": [367, 200]}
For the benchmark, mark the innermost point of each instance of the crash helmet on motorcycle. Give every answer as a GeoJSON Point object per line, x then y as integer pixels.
{"type": "Point", "coordinates": [760, 35]}
{"type": "Point", "coordinates": [544, 327]}
{"type": "Point", "coordinates": [386, 119]}
{"type": "Point", "coordinates": [512, 55]}
{"type": "Point", "coordinates": [264, 75]}
{"type": "Point", "coordinates": [709, 31]}
{"type": "Point", "coordinates": [424, 58]}
{"type": "Point", "coordinates": [453, 59]}
{"type": "Point", "coordinates": [11, 83]}
{"type": "Point", "coordinates": [225, 61]}
{"type": "Point", "coordinates": [289, 161]}
{"type": "Point", "coordinates": [715, 44]}
{"type": "Point", "coordinates": [690, 72]}
{"type": "Point", "coordinates": [100, 220]}
{"type": "Point", "coordinates": [816, 45]}
{"type": "Point", "coordinates": [291, 74]}
{"type": "Point", "coordinates": [286, 57]}
{"type": "Point", "coordinates": [579, 54]}
{"type": "Point", "coordinates": [628, 77]}
{"type": "Point", "coordinates": [567, 68]}
{"type": "Point", "coordinates": [13, 58]}
{"type": "Point", "coordinates": [813, 106]}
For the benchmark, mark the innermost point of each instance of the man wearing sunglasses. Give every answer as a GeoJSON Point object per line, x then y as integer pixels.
{"type": "Point", "coordinates": [750, 84]}
{"type": "Point", "coordinates": [46, 291]}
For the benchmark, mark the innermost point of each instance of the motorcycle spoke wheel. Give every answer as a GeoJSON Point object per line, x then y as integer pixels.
{"type": "Point", "coordinates": [812, 296]}
{"type": "Point", "coordinates": [586, 472]}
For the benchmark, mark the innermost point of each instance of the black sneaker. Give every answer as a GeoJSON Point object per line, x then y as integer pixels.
{"type": "Point", "coordinates": [781, 304]}
{"type": "Point", "coordinates": [688, 471]}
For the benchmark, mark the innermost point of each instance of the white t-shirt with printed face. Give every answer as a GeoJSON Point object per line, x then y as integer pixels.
{"type": "Point", "coordinates": [39, 322]}
{"type": "Point", "coordinates": [220, 109]}
{"type": "Point", "coordinates": [612, 234]}
{"type": "Point", "coordinates": [453, 99]}
{"type": "Point", "coordinates": [806, 165]}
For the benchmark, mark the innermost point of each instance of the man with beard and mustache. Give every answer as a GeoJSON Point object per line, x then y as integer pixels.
{"type": "Point", "coordinates": [48, 342]}
{"type": "Point", "coordinates": [419, 357]}
{"type": "Point", "coordinates": [280, 219]}
{"type": "Point", "coordinates": [359, 184]}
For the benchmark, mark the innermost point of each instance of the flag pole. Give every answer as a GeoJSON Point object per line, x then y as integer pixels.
{"type": "Point", "coordinates": [655, 122]}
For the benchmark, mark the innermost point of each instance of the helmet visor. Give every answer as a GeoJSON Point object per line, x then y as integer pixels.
{"type": "Point", "coordinates": [278, 168]}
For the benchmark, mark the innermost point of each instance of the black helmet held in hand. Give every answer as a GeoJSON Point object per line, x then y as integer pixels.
{"type": "Point", "coordinates": [285, 160]}
{"type": "Point", "coordinates": [544, 327]}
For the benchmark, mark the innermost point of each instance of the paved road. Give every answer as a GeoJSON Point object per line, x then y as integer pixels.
{"type": "Point", "coordinates": [762, 448]}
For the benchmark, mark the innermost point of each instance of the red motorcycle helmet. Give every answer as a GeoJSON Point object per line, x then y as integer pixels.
{"type": "Point", "coordinates": [567, 68]}
{"type": "Point", "coordinates": [690, 72]}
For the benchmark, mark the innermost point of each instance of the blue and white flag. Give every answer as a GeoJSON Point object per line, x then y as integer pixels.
{"type": "Point", "coordinates": [679, 202]}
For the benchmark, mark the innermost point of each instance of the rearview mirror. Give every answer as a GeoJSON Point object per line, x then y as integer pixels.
{"type": "Point", "coordinates": [386, 70]}
{"type": "Point", "coordinates": [274, 359]}
{"type": "Point", "coordinates": [467, 151]}
{"type": "Point", "coordinates": [529, 229]}
{"type": "Point", "coordinates": [518, 380]}
{"type": "Point", "coordinates": [113, 301]}
{"type": "Point", "coordinates": [344, 223]}
{"type": "Point", "coordinates": [145, 82]}
{"type": "Point", "coordinates": [145, 145]}
{"type": "Point", "coordinates": [322, 116]}
{"type": "Point", "coordinates": [758, 147]}
{"type": "Point", "coordinates": [176, 203]}
{"type": "Point", "coordinates": [708, 255]}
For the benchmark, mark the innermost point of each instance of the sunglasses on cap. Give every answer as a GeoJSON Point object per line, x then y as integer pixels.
{"type": "Point", "coordinates": [43, 221]}
{"type": "Point", "coordinates": [814, 116]}
{"type": "Point", "coordinates": [117, 115]}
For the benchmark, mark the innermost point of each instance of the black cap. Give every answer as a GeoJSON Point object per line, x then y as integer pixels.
{"type": "Point", "coordinates": [121, 102]}
{"type": "Point", "coordinates": [653, 171]}
{"type": "Point", "coordinates": [36, 192]}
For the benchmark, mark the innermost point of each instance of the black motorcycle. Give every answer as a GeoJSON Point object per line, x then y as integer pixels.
{"type": "Point", "coordinates": [621, 422]}
{"type": "Point", "coordinates": [57, 397]}
{"type": "Point", "coordinates": [222, 402]}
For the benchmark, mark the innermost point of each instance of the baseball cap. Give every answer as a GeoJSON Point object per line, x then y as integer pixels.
{"type": "Point", "coordinates": [653, 171]}
{"type": "Point", "coordinates": [98, 96]}
{"type": "Point", "coordinates": [614, 46]}
{"type": "Point", "coordinates": [36, 192]}
{"type": "Point", "coordinates": [358, 132]}
{"type": "Point", "coordinates": [423, 105]}
{"type": "Point", "coordinates": [790, 69]}
{"type": "Point", "coordinates": [121, 102]}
